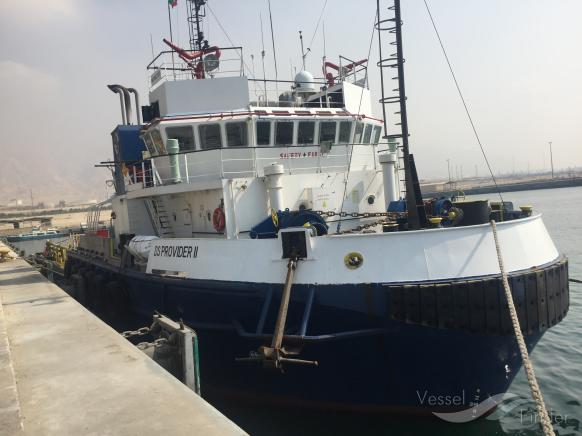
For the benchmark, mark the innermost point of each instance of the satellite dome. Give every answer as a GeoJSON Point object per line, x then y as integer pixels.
{"type": "Point", "coordinates": [304, 82]}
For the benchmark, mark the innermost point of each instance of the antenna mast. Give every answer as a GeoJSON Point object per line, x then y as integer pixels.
{"type": "Point", "coordinates": [274, 50]}
{"type": "Point", "coordinates": [196, 12]}
{"type": "Point", "coordinates": [393, 26]}
{"type": "Point", "coordinates": [303, 55]}
{"type": "Point", "coordinates": [263, 58]}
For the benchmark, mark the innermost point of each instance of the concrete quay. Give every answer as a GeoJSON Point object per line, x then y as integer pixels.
{"type": "Point", "coordinates": [64, 372]}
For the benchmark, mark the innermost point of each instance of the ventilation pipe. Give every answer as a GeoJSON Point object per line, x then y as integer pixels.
{"type": "Point", "coordinates": [126, 101]}
{"type": "Point", "coordinates": [173, 148]}
{"type": "Point", "coordinates": [115, 89]}
{"type": "Point", "coordinates": [137, 106]}
{"type": "Point", "coordinates": [274, 174]}
{"type": "Point", "coordinates": [388, 162]}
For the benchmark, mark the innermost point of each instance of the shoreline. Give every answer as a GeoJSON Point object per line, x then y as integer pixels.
{"type": "Point", "coordinates": [509, 187]}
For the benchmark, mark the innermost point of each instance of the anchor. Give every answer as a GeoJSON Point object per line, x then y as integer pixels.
{"type": "Point", "coordinates": [276, 355]}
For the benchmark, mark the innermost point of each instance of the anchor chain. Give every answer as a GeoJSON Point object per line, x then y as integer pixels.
{"type": "Point", "coordinates": [388, 217]}
{"type": "Point", "coordinates": [363, 227]}
{"type": "Point", "coordinates": [139, 332]}
{"type": "Point", "coordinates": [155, 343]}
{"type": "Point", "coordinates": [331, 214]}
{"type": "Point", "coordinates": [143, 331]}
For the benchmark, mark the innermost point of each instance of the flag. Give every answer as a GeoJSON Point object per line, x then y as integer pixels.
{"type": "Point", "coordinates": [173, 3]}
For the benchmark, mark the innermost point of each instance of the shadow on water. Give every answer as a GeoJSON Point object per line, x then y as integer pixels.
{"type": "Point", "coordinates": [268, 421]}
{"type": "Point", "coordinates": [519, 420]}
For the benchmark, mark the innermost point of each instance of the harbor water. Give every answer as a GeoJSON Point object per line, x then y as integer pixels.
{"type": "Point", "coordinates": [35, 246]}
{"type": "Point", "coordinates": [557, 361]}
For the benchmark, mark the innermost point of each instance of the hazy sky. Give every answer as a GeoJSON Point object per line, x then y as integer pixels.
{"type": "Point", "coordinates": [517, 61]}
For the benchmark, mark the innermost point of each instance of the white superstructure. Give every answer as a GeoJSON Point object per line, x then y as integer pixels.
{"type": "Point", "coordinates": [223, 154]}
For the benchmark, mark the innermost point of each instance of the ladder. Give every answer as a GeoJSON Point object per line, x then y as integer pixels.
{"type": "Point", "coordinates": [159, 217]}
{"type": "Point", "coordinates": [394, 63]}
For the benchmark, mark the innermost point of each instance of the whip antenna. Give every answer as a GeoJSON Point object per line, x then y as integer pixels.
{"type": "Point", "coordinates": [263, 56]}
{"type": "Point", "coordinates": [274, 50]}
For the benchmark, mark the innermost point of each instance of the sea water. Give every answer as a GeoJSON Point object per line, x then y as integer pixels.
{"type": "Point", "coordinates": [36, 245]}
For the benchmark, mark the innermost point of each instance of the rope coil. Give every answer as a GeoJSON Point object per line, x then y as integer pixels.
{"type": "Point", "coordinates": [536, 393]}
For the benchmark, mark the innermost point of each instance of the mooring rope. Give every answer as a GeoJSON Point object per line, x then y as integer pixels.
{"type": "Point", "coordinates": [536, 393]}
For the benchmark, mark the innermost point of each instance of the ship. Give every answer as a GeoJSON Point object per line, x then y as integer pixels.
{"type": "Point", "coordinates": [37, 234]}
{"type": "Point", "coordinates": [290, 231]}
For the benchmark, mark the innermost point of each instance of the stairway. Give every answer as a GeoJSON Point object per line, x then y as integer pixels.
{"type": "Point", "coordinates": [159, 217]}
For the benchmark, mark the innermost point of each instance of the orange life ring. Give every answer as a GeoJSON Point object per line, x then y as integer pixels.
{"type": "Point", "coordinates": [218, 220]}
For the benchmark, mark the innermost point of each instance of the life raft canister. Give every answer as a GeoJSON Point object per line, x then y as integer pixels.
{"type": "Point", "coordinates": [218, 220]}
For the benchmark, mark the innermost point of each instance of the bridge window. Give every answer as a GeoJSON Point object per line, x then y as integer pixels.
{"type": "Point", "coordinates": [237, 134]}
{"type": "Point", "coordinates": [158, 142]}
{"type": "Point", "coordinates": [367, 134]}
{"type": "Point", "coordinates": [284, 133]}
{"type": "Point", "coordinates": [210, 136]}
{"type": "Point", "coordinates": [344, 132]}
{"type": "Point", "coordinates": [327, 131]}
{"type": "Point", "coordinates": [263, 132]}
{"type": "Point", "coordinates": [184, 135]}
{"type": "Point", "coordinates": [306, 132]}
{"type": "Point", "coordinates": [358, 133]}
{"type": "Point", "coordinates": [377, 133]}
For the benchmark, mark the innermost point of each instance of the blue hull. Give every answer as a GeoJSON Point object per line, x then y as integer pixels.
{"type": "Point", "coordinates": [367, 359]}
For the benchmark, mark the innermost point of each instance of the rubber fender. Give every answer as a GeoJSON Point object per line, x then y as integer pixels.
{"type": "Point", "coordinates": [67, 271]}
{"type": "Point", "coordinates": [89, 296]}
{"type": "Point", "coordinates": [96, 289]}
{"type": "Point", "coordinates": [76, 285]}
{"type": "Point", "coordinates": [116, 300]}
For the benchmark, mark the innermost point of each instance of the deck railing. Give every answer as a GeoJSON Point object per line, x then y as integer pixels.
{"type": "Point", "coordinates": [229, 163]}
{"type": "Point", "coordinates": [167, 65]}
{"type": "Point", "coordinates": [263, 91]}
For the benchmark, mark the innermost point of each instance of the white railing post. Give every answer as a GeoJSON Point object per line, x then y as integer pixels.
{"type": "Point", "coordinates": [289, 160]}
{"type": "Point", "coordinates": [143, 182]}
{"type": "Point", "coordinates": [153, 172]}
{"type": "Point", "coordinates": [221, 165]}
{"type": "Point", "coordinates": [255, 172]}
{"type": "Point", "coordinates": [186, 168]}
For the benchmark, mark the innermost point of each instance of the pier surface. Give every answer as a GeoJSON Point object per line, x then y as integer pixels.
{"type": "Point", "coordinates": [64, 372]}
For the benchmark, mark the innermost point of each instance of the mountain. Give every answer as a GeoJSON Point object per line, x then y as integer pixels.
{"type": "Point", "coordinates": [50, 181]}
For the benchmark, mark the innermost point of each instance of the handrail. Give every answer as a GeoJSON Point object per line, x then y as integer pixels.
{"type": "Point", "coordinates": [265, 147]}
{"type": "Point", "coordinates": [152, 66]}
{"type": "Point", "coordinates": [221, 165]}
